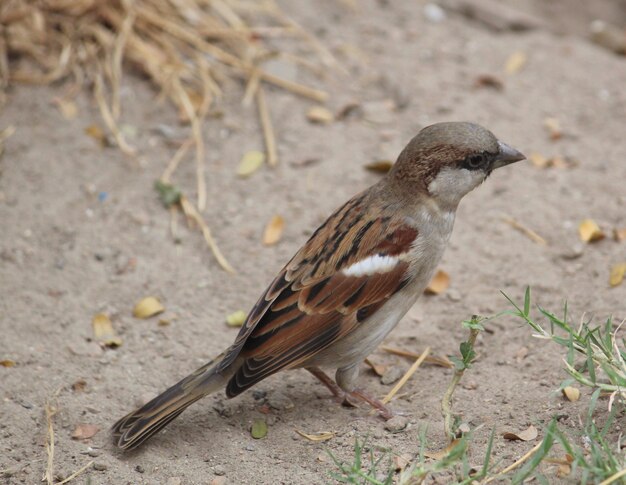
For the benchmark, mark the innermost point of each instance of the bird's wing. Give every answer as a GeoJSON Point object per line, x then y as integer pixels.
{"type": "Point", "coordinates": [347, 270]}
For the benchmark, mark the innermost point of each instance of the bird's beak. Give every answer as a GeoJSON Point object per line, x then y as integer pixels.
{"type": "Point", "coordinates": [506, 155]}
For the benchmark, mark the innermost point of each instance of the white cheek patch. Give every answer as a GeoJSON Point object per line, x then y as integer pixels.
{"type": "Point", "coordinates": [371, 265]}
{"type": "Point", "coordinates": [452, 184]}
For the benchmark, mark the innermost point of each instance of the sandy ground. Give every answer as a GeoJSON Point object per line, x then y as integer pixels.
{"type": "Point", "coordinates": [65, 254]}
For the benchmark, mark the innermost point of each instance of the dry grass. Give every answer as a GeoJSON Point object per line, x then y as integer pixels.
{"type": "Point", "coordinates": [186, 48]}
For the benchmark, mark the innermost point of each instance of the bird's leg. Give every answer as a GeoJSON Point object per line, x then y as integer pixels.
{"type": "Point", "coordinates": [385, 412]}
{"type": "Point", "coordinates": [350, 398]}
{"type": "Point", "coordinates": [328, 382]}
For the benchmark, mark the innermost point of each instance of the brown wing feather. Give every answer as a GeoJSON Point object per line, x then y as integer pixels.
{"type": "Point", "coordinates": [312, 303]}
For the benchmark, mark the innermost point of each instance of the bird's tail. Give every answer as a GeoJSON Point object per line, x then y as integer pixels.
{"type": "Point", "coordinates": [136, 427]}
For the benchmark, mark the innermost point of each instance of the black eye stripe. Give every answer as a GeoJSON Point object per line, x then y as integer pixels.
{"type": "Point", "coordinates": [475, 161]}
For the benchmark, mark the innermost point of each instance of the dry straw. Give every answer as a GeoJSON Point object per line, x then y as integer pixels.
{"type": "Point", "coordinates": [187, 48]}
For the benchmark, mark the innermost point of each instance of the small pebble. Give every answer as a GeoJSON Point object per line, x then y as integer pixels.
{"type": "Point", "coordinates": [396, 424]}
{"type": "Point", "coordinates": [250, 447]}
{"type": "Point", "coordinates": [434, 13]}
{"type": "Point", "coordinates": [140, 469]}
{"type": "Point", "coordinates": [100, 466]}
{"type": "Point", "coordinates": [219, 470]}
{"type": "Point", "coordinates": [572, 251]}
{"type": "Point", "coordinates": [280, 401]}
{"type": "Point", "coordinates": [391, 375]}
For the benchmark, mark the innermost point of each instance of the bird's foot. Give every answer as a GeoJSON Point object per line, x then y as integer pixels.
{"type": "Point", "coordinates": [351, 399]}
{"type": "Point", "coordinates": [378, 405]}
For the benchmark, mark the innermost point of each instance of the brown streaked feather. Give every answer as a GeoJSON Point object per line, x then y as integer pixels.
{"type": "Point", "coordinates": [312, 302]}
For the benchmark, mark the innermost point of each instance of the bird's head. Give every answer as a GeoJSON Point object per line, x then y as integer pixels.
{"type": "Point", "coordinates": [448, 160]}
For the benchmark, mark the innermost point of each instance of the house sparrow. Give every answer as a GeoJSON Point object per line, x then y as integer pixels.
{"type": "Point", "coordinates": [351, 282]}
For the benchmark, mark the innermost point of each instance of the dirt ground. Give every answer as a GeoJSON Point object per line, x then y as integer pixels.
{"type": "Point", "coordinates": [82, 232]}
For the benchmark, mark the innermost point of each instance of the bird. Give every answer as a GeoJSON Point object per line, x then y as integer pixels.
{"type": "Point", "coordinates": [350, 284]}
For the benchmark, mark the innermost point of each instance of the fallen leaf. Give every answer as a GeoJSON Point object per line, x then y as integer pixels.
{"type": "Point", "coordinates": [258, 429]}
{"type": "Point", "coordinates": [84, 431]}
{"type": "Point", "coordinates": [320, 114]}
{"type": "Point", "coordinates": [538, 160]}
{"type": "Point", "coordinates": [619, 234]}
{"type": "Point", "coordinates": [95, 132]}
{"type": "Point", "coordinates": [400, 462]}
{"type": "Point", "coordinates": [148, 307]}
{"type": "Point", "coordinates": [7, 363]}
{"type": "Point", "coordinates": [103, 331]}
{"type": "Point", "coordinates": [349, 109]}
{"type": "Point", "coordinates": [236, 319]}
{"type": "Point", "coordinates": [571, 393]}
{"type": "Point", "coordinates": [168, 193]}
{"type": "Point", "coordinates": [589, 231]}
{"type": "Point", "coordinates": [379, 166]}
{"type": "Point", "coordinates": [515, 62]}
{"type": "Point", "coordinates": [618, 272]}
{"type": "Point", "coordinates": [67, 107]}
{"type": "Point", "coordinates": [79, 386]}
{"type": "Point", "coordinates": [379, 370]}
{"type": "Point", "coordinates": [528, 434]}
{"type": "Point", "coordinates": [521, 354]}
{"type": "Point", "coordinates": [322, 436]}
{"type": "Point", "coordinates": [439, 455]}
{"type": "Point", "coordinates": [557, 161]}
{"type": "Point", "coordinates": [250, 163]}
{"type": "Point", "coordinates": [274, 230]}
{"type": "Point", "coordinates": [554, 128]}
{"type": "Point", "coordinates": [489, 81]}
{"type": "Point", "coordinates": [438, 284]}
{"type": "Point", "coordinates": [564, 464]}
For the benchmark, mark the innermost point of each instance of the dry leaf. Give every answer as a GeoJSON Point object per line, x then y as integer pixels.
{"type": "Point", "coordinates": [320, 114]}
{"type": "Point", "coordinates": [619, 234]}
{"type": "Point", "coordinates": [84, 431]}
{"type": "Point", "coordinates": [563, 463]}
{"type": "Point", "coordinates": [379, 166]}
{"type": "Point", "coordinates": [258, 429]}
{"type": "Point", "coordinates": [618, 272]}
{"type": "Point", "coordinates": [489, 81]}
{"type": "Point", "coordinates": [67, 107]}
{"type": "Point", "coordinates": [103, 331]}
{"type": "Point", "coordinates": [236, 319]}
{"type": "Point", "coordinates": [515, 62]}
{"type": "Point", "coordinates": [521, 354]}
{"type": "Point", "coordinates": [322, 436]}
{"type": "Point", "coordinates": [438, 455]}
{"type": "Point", "coordinates": [554, 128]}
{"type": "Point", "coordinates": [538, 160]}
{"type": "Point", "coordinates": [528, 434]}
{"type": "Point", "coordinates": [148, 307]}
{"type": "Point", "coordinates": [7, 363]}
{"type": "Point", "coordinates": [95, 132]}
{"type": "Point", "coordinates": [400, 462]}
{"type": "Point", "coordinates": [438, 284]}
{"type": "Point", "coordinates": [274, 230]}
{"type": "Point", "coordinates": [557, 161]}
{"type": "Point", "coordinates": [589, 231]}
{"type": "Point", "coordinates": [79, 386]}
{"type": "Point", "coordinates": [379, 370]}
{"type": "Point", "coordinates": [571, 393]}
{"type": "Point", "coordinates": [250, 163]}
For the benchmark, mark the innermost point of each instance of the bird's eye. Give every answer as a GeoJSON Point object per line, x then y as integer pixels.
{"type": "Point", "coordinates": [474, 162]}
